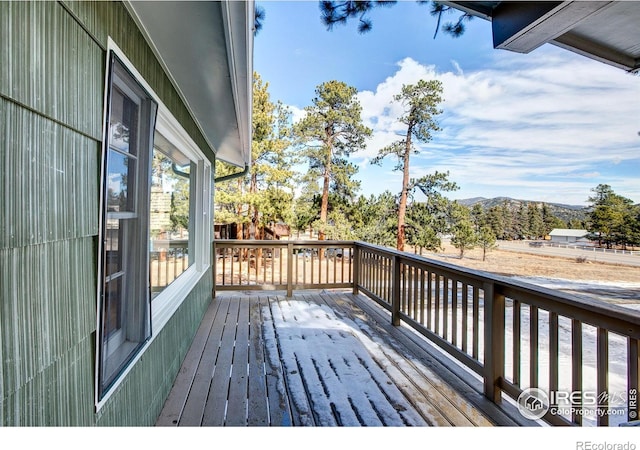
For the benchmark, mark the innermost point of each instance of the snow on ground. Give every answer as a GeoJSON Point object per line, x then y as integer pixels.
{"type": "Point", "coordinates": [332, 356]}
{"type": "Point", "coordinates": [616, 292]}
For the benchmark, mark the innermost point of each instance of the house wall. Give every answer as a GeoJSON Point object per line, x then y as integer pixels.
{"type": "Point", "coordinates": [52, 74]}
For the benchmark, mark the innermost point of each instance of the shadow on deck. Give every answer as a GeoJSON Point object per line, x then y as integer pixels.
{"type": "Point", "coordinates": [320, 358]}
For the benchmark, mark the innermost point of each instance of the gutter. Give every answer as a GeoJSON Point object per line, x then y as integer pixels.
{"type": "Point", "coordinates": [233, 175]}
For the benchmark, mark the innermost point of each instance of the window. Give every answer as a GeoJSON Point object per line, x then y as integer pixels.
{"type": "Point", "coordinates": [155, 229]}
{"type": "Point", "coordinates": [171, 215]}
{"type": "Point", "coordinates": [125, 320]}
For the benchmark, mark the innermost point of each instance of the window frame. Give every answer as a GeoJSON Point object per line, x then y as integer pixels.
{"type": "Point", "coordinates": [165, 304]}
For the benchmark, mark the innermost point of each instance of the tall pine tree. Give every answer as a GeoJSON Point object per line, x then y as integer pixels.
{"type": "Point", "coordinates": [331, 130]}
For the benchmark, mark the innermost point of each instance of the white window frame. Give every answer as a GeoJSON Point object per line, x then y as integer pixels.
{"type": "Point", "coordinates": [169, 300]}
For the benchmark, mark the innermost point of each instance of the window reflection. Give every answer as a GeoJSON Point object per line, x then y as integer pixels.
{"type": "Point", "coordinates": [170, 211]}
{"type": "Point", "coordinates": [120, 179]}
{"type": "Point", "coordinates": [123, 122]}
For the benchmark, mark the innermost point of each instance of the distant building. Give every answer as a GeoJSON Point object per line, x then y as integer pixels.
{"type": "Point", "coordinates": [567, 236]}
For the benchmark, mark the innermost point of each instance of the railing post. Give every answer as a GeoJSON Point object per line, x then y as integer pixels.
{"type": "Point", "coordinates": [290, 269]}
{"type": "Point", "coordinates": [214, 268]}
{"type": "Point", "coordinates": [494, 307]}
{"type": "Point", "coordinates": [395, 292]}
{"type": "Point", "coordinates": [356, 268]}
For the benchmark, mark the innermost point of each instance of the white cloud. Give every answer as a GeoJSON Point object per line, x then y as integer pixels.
{"type": "Point", "coordinates": [542, 127]}
{"type": "Point", "coordinates": [545, 122]}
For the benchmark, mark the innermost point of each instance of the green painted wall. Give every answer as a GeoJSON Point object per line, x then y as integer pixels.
{"type": "Point", "coordinates": [51, 93]}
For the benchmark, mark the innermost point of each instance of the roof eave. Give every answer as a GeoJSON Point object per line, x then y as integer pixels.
{"type": "Point", "coordinates": [206, 49]}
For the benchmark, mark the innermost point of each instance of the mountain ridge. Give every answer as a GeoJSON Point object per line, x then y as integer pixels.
{"type": "Point", "coordinates": [563, 211]}
{"type": "Point", "coordinates": [500, 200]}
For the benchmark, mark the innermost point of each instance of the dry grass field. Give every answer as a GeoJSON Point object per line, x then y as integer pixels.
{"type": "Point", "coordinates": [511, 263]}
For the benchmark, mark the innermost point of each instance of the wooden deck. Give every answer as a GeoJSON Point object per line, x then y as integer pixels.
{"type": "Point", "coordinates": [318, 359]}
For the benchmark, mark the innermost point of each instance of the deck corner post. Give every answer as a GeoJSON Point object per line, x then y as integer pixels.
{"type": "Point", "coordinates": [289, 269]}
{"type": "Point", "coordinates": [395, 287]}
{"type": "Point", "coordinates": [494, 340]}
{"type": "Point", "coordinates": [356, 268]}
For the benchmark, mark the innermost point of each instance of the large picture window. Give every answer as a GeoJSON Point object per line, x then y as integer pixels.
{"type": "Point", "coordinates": [125, 320]}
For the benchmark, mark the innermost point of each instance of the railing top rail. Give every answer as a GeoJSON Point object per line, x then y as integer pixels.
{"type": "Point", "coordinates": [590, 311]}
{"type": "Point", "coordinates": [280, 243]}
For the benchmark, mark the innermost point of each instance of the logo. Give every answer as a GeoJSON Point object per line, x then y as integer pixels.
{"type": "Point", "coordinates": [533, 403]}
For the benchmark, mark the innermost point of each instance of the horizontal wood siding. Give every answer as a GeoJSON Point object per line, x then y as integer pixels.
{"type": "Point", "coordinates": [51, 123]}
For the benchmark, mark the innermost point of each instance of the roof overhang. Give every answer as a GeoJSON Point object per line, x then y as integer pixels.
{"type": "Point", "coordinates": [606, 31]}
{"type": "Point", "coordinates": [206, 49]}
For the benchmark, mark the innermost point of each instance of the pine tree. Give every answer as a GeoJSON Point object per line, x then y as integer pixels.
{"type": "Point", "coordinates": [266, 195]}
{"type": "Point", "coordinates": [463, 235]}
{"type": "Point", "coordinates": [420, 109]}
{"type": "Point", "coordinates": [331, 130]}
{"type": "Point", "coordinates": [611, 218]}
{"type": "Point", "coordinates": [534, 218]}
{"type": "Point", "coordinates": [340, 12]}
{"type": "Point", "coordinates": [486, 240]}
{"type": "Point", "coordinates": [378, 219]}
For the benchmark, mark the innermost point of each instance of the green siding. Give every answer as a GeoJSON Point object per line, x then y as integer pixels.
{"type": "Point", "coordinates": [51, 112]}
{"type": "Point", "coordinates": [48, 180]}
{"type": "Point", "coordinates": [46, 318]}
{"type": "Point", "coordinates": [54, 67]}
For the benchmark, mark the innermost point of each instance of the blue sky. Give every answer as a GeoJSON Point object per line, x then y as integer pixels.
{"type": "Point", "coordinates": [546, 126]}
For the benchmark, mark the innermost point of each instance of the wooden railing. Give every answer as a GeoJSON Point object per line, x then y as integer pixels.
{"type": "Point", "coordinates": [283, 265]}
{"type": "Point", "coordinates": [513, 335]}
{"type": "Point", "coordinates": [168, 259]}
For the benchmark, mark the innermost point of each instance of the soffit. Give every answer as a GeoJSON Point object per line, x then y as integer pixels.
{"type": "Point", "coordinates": [606, 31]}
{"type": "Point", "coordinates": [206, 49]}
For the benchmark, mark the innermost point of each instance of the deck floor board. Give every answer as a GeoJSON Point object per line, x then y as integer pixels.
{"type": "Point", "coordinates": [316, 359]}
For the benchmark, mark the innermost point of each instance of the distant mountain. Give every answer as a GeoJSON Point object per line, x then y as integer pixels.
{"type": "Point", "coordinates": [562, 211]}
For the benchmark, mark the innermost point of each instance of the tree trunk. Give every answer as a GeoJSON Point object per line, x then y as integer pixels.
{"type": "Point", "coordinates": [402, 208]}
{"type": "Point", "coordinates": [324, 205]}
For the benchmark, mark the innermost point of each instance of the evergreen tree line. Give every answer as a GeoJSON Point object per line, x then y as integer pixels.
{"type": "Point", "coordinates": [324, 197]}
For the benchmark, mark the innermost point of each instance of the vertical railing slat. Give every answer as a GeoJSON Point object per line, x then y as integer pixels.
{"type": "Point", "coordinates": [290, 269]}
{"type": "Point", "coordinates": [533, 347]}
{"type": "Point", "coordinates": [436, 309]}
{"type": "Point", "coordinates": [602, 375]}
{"type": "Point", "coordinates": [517, 316]}
{"type": "Point", "coordinates": [576, 364]}
{"type": "Point", "coordinates": [395, 298]}
{"type": "Point", "coordinates": [429, 300]}
{"type": "Point", "coordinates": [445, 307]}
{"type": "Point", "coordinates": [553, 351]}
{"type": "Point", "coordinates": [454, 312]}
{"type": "Point", "coordinates": [423, 284]}
{"type": "Point", "coordinates": [465, 316]}
{"type": "Point", "coordinates": [476, 323]}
